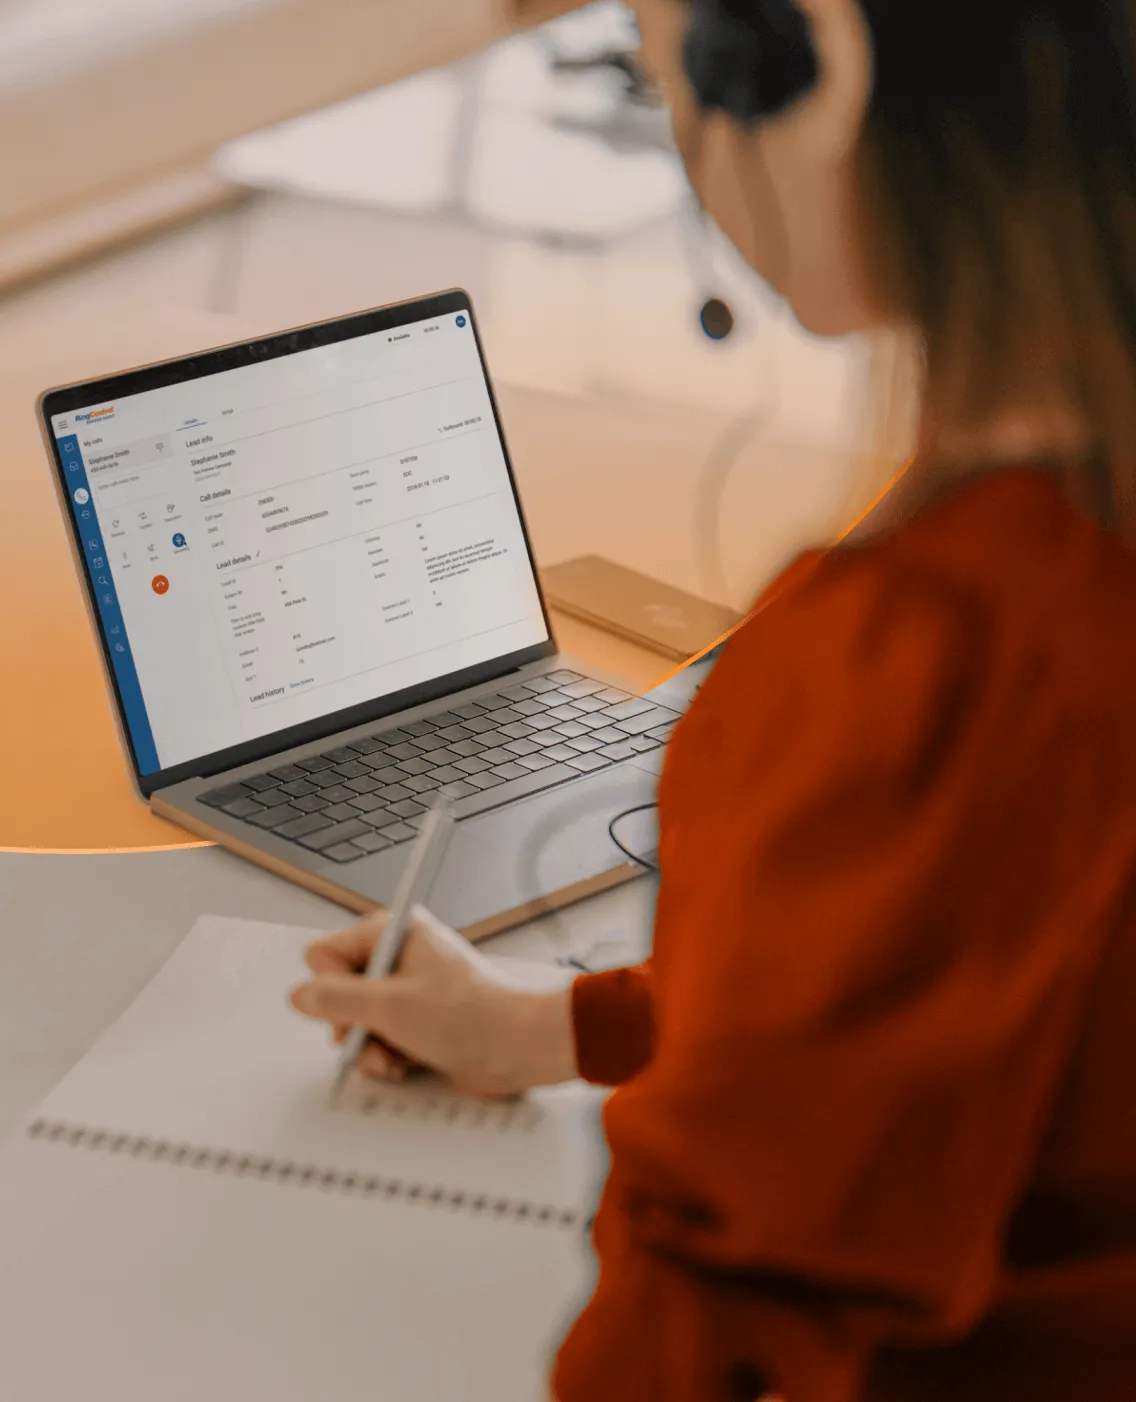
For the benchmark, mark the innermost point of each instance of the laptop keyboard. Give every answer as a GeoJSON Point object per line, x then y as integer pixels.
{"type": "Point", "coordinates": [372, 793]}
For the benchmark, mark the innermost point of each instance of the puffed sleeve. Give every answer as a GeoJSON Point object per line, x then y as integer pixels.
{"type": "Point", "coordinates": [867, 982]}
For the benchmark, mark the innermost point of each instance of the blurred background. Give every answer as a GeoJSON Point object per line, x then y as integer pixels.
{"type": "Point", "coordinates": [182, 173]}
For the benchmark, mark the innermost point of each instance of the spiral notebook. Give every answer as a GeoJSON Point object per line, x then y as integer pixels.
{"type": "Point", "coordinates": [188, 1215]}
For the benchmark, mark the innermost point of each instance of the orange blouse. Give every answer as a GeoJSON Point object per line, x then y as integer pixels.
{"type": "Point", "coordinates": [875, 1131]}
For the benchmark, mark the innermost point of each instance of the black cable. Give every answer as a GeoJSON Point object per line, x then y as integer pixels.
{"type": "Point", "coordinates": [632, 856]}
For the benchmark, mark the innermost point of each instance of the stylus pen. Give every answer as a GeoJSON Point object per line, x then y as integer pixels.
{"type": "Point", "coordinates": [417, 878]}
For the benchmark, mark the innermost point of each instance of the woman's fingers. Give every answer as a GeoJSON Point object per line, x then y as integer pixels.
{"type": "Point", "coordinates": [345, 1000]}
{"type": "Point", "coordinates": [347, 950]}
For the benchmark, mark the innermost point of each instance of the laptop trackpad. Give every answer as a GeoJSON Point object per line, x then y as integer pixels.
{"type": "Point", "coordinates": [526, 851]}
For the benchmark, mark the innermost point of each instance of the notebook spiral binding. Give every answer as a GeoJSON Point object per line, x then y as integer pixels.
{"type": "Point", "coordinates": [302, 1175]}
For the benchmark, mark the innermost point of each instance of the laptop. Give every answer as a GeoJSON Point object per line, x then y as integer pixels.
{"type": "Point", "coordinates": [308, 568]}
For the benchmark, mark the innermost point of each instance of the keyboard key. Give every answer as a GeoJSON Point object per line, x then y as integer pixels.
{"type": "Point", "coordinates": [535, 762]}
{"type": "Point", "coordinates": [325, 779]}
{"type": "Point", "coordinates": [344, 852]}
{"type": "Point", "coordinates": [642, 743]}
{"type": "Point", "coordinates": [366, 746]}
{"type": "Point", "coordinates": [560, 752]}
{"type": "Point", "coordinates": [372, 841]}
{"type": "Point", "coordinates": [339, 812]}
{"type": "Point", "coordinates": [446, 756]}
{"type": "Point", "coordinates": [217, 798]}
{"type": "Point", "coordinates": [572, 730]}
{"type": "Point", "coordinates": [459, 788]}
{"type": "Point", "coordinates": [585, 744]}
{"type": "Point", "coordinates": [243, 807]}
{"type": "Point", "coordinates": [587, 704]}
{"type": "Point", "coordinates": [509, 770]}
{"type": "Point", "coordinates": [287, 772]}
{"type": "Point", "coordinates": [404, 750]}
{"type": "Point", "coordinates": [425, 744]}
{"type": "Point", "coordinates": [530, 707]}
{"type": "Point", "coordinates": [298, 787]}
{"type": "Point", "coordinates": [398, 832]}
{"type": "Point", "coordinates": [497, 756]}
{"type": "Point", "coordinates": [543, 722]}
{"type": "Point", "coordinates": [395, 793]}
{"type": "Point", "coordinates": [663, 733]}
{"type": "Point", "coordinates": [387, 774]}
{"type": "Point", "coordinates": [612, 694]}
{"type": "Point", "coordinates": [586, 686]}
{"type": "Point", "coordinates": [338, 832]}
{"type": "Point", "coordinates": [260, 782]}
{"type": "Point", "coordinates": [608, 735]}
{"type": "Point", "coordinates": [466, 749]}
{"type": "Point", "coordinates": [423, 783]}
{"type": "Point", "coordinates": [406, 809]}
{"type": "Point", "coordinates": [474, 765]}
{"type": "Point", "coordinates": [455, 732]}
{"type": "Point", "coordinates": [443, 718]}
{"type": "Point", "coordinates": [563, 676]}
{"type": "Point", "coordinates": [301, 827]}
{"type": "Point", "coordinates": [420, 727]}
{"type": "Point", "coordinates": [539, 684]}
{"type": "Point", "coordinates": [468, 711]}
{"type": "Point", "coordinates": [397, 737]}
{"type": "Point", "coordinates": [274, 817]}
{"type": "Point", "coordinates": [640, 725]}
{"type": "Point", "coordinates": [273, 798]}
{"type": "Point", "coordinates": [314, 764]}
{"type": "Point", "coordinates": [311, 803]}
{"type": "Point", "coordinates": [634, 706]}
{"type": "Point", "coordinates": [339, 754]}
{"type": "Point", "coordinates": [416, 766]}
{"type": "Point", "coordinates": [488, 780]}
{"type": "Point", "coordinates": [522, 747]}
{"type": "Point", "coordinates": [514, 788]}
{"type": "Point", "coordinates": [367, 784]}
{"type": "Point", "coordinates": [338, 793]}
{"type": "Point", "coordinates": [622, 750]}
{"type": "Point", "coordinates": [480, 724]}
{"type": "Point", "coordinates": [586, 763]}
{"type": "Point", "coordinates": [492, 703]}
{"type": "Point", "coordinates": [368, 803]}
{"type": "Point", "coordinates": [351, 769]}
{"type": "Point", "coordinates": [516, 693]}
{"type": "Point", "coordinates": [518, 730]}
{"type": "Point", "coordinates": [568, 712]}
{"type": "Point", "coordinates": [506, 716]}
{"type": "Point", "coordinates": [448, 774]}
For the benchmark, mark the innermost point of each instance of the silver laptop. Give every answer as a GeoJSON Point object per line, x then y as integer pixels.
{"type": "Point", "coordinates": [309, 571]}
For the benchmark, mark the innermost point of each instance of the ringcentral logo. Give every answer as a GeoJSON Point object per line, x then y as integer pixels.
{"type": "Point", "coordinates": [95, 416]}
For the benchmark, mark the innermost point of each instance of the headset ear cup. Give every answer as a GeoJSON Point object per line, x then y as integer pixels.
{"type": "Point", "coordinates": [749, 58]}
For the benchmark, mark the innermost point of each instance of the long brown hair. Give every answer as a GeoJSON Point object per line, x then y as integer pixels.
{"type": "Point", "coordinates": [999, 170]}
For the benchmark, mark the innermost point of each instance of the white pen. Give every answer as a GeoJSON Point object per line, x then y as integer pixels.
{"type": "Point", "coordinates": [419, 875]}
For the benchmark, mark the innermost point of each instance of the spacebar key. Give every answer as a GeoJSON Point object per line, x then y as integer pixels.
{"type": "Point", "coordinates": [514, 788]}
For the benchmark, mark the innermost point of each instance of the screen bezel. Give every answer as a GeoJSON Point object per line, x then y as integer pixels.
{"type": "Point", "coordinates": [68, 398]}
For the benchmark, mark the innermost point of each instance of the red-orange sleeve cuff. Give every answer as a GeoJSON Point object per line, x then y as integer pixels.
{"type": "Point", "coordinates": [614, 1024]}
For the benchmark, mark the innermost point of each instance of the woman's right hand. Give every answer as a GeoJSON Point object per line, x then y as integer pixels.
{"type": "Point", "coordinates": [446, 1007]}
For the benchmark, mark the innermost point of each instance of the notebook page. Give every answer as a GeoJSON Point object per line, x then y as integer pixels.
{"type": "Point", "coordinates": [130, 1281]}
{"type": "Point", "coordinates": [212, 1057]}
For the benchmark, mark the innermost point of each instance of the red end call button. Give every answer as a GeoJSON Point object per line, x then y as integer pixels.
{"type": "Point", "coordinates": [159, 584]}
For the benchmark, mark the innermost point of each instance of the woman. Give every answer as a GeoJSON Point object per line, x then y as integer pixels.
{"type": "Point", "coordinates": [875, 1136]}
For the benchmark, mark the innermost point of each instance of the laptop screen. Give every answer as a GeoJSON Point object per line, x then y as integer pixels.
{"type": "Point", "coordinates": [290, 538]}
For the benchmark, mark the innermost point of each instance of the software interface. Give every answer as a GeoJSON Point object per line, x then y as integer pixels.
{"type": "Point", "coordinates": [275, 543]}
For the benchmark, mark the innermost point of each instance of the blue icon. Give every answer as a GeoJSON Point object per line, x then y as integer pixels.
{"type": "Point", "coordinates": [179, 541]}
{"type": "Point", "coordinates": [119, 648]}
{"type": "Point", "coordinates": [461, 320]}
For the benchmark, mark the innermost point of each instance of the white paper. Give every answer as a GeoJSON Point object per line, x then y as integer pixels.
{"type": "Point", "coordinates": [212, 1056]}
